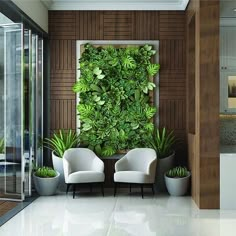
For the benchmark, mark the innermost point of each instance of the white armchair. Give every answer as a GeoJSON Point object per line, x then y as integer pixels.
{"type": "Point", "coordinates": [138, 166]}
{"type": "Point", "coordinates": [81, 165]}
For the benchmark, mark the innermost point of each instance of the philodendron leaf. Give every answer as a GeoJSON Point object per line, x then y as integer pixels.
{"type": "Point", "coordinates": [100, 102]}
{"type": "Point", "coordinates": [145, 89]}
{"type": "Point", "coordinates": [153, 52]}
{"type": "Point", "coordinates": [96, 98]}
{"type": "Point", "coordinates": [86, 127]}
{"type": "Point", "coordinates": [95, 88]}
{"type": "Point", "coordinates": [148, 47]}
{"type": "Point", "coordinates": [134, 125]}
{"type": "Point", "coordinates": [97, 71]}
{"type": "Point", "coordinates": [151, 85]}
{"type": "Point", "coordinates": [100, 76]}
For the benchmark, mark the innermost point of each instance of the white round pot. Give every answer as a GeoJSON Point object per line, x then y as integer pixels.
{"type": "Point", "coordinates": [58, 166]}
{"type": "Point", "coordinates": [177, 186]}
{"type": "Point", "coordinates": [46, 186]}
{"type": "Point", "coordinates": [163, 165]}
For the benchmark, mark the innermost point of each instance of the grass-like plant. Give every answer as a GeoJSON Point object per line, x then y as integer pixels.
{"type": "Point", "coordinates": [62, 141]}
{"type": "Point", "coordinates": [45, 172]}
{"type": "Point", "coordinates": [162, 142]}
{"type": "Point", "coordinates": [2, 145]}
{"type": "Point", "coordinates": [178, 172]}
{"type": "Point", "coordinates": [115, 110]}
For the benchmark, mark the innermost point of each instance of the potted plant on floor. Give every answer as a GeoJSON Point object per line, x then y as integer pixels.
{"type": "Point", "coordinates": [177, 181]}
{"type": "Point", "coordinates": [46, 181]}
{"type": "Point", "coordinates": [162, 142]}
{"type": "Point", "coordinates": [58, 144]}
{"type": "Point", "coordinates": [2, 149]}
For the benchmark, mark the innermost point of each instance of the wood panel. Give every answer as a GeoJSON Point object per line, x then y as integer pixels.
{"type": "Point", "coordinates": [204, 147]}
{"type": "Point", "coordinates": [6, 206]}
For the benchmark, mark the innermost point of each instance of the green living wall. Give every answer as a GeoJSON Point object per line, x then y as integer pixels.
{"type": "Point", "coordinates": [114, 107]}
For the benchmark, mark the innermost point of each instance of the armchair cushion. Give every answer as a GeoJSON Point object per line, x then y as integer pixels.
{"type": "Point", "coordinates": [131, 177]}
{"type": "Point", "coordinates": [86, 177]}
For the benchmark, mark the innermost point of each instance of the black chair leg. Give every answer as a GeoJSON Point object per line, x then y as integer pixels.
{"type": "Point", "coordinates": [91, 187]}
{"type": "Point", "coordinates": [115, 189]}
{"type": "Point", "coordinates": [67, 188]}
{"type": "Point", "coordinates": [129, 188]}
{"type": "Point", "coordinates": [74, 188]}
{"type": "Point", "coordinates": [142, 190]}
{"type": "Point", "coordinates": [102, 188]}
{"type": "Point", "coordinates": [153, 191]}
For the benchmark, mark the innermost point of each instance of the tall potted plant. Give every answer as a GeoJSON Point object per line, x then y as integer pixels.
{"type": "Point", "coordinates": [46, 181]}
{"type": "Point", "coordinates": [163, 141]}
{"type": "Point", "coordinates": [58, 144]}
{"type": "Point", "coordinates": [177, 181]}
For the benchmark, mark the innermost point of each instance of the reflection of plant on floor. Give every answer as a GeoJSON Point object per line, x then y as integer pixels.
{"type": "Point", "coordinates": [114, 108]}
{"type": "Point", "coordinates": [2, 145]}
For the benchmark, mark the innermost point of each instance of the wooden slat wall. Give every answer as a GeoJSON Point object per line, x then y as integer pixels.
{"type": "Point", "coordinates": [65, 27]}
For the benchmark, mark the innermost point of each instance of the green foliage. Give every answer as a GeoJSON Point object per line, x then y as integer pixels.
{"type": "Point", "coordinates": [177, 172]}
{"type": "Point", "coordinates": [113, 87]}
{"type": "Point", "coordinates": [163, 141]}
{"type": "Point", "coordinates": [45, 172]}
{"type": "Point", "coordinates": [62, 141]}
{"type": "Point", "coordinates": [2, 148]}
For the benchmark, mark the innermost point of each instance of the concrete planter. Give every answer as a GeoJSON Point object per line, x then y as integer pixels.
{"type": "Point", "coordinates": [46, 186]}
{"type": "Point", "coordinates": [58, 166]}
{"type": "Point", "coordinates": [163, 165]}
{"type": "Point", "coordinates": [177, 186]}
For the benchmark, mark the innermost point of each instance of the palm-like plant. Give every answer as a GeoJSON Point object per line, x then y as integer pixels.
{"type": "Point", "coordinates": [62, 141]}
{"type": "Point", "coordinates": [163, 142]}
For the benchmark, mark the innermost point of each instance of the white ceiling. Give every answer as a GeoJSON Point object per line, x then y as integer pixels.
{"type": "Point", "coordinates": [116, 4]}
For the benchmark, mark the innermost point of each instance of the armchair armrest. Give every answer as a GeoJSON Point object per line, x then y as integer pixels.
{"type": "Point", "coordinates": [98, 165]}
{"type": "Point", "coordinates": [67, 168]}
{"type": "Point", "coordinates": [151, 169]}
{"type": "Point", "coordinates": [122, 164]}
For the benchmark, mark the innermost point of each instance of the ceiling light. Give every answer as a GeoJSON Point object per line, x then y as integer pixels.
{"type": "Point", "coordinates": [234, 9]}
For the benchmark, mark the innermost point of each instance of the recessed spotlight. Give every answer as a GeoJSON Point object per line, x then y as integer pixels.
{"type": "Point", "coordinates": [234, 9]}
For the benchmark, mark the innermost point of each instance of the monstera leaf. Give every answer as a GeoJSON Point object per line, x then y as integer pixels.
{"type": "Point", "coordinates": [129, 62]}
{"type": "Point", "coordinates": [152, 69]}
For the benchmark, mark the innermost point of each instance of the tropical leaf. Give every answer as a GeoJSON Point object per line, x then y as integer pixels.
{"type": "Point", "coordinates": [108, 151]}
{"type": "Point", "coordinates": [81, 86]}
{"type": "Point", "coordinates": [152, 69]}
{"type": "Point", "coordinates": [150, 112]}
{"type": "Point", "coordinates": [129, 62]}
{"type": "Point", "coordinates": [97, 71]}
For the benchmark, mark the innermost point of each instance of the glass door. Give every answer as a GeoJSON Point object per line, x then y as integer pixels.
{"type": "Point", "coordinates": [12, 164]}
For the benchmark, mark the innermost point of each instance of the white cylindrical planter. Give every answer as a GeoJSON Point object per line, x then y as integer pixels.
{"type": "Point", "coordinates": [46, 186]}
{"type": "Point", "coordinates": [177, 186]}
{"type": "Point", "coordinates": [58, 166]}
{"type": "Point", "coordinates": [163, 165]}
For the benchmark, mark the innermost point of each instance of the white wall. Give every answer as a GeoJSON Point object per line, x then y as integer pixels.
{"type": "Point", "coordinates": [36, 10]}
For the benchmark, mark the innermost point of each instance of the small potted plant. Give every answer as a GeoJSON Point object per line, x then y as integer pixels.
{"type": "Point", "coordinates": [2, 149]}
{"type": "Point", "coordinates": [177, 181]}
{"type": "Point", "coordinates": [46, 180]}
{"type": "Point", "coordinates": [59, 143]}
{"type": "Point", "coordinates": [162, 142]}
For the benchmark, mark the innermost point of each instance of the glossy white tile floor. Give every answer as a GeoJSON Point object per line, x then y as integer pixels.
{"type": "Point", "coordinates": [91, 214]}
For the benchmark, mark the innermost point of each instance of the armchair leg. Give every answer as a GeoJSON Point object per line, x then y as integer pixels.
{"type": "Point", "coordinates": [129, 188]}
{"type": "Point", "coordinates": [67, 188]}
{"type": "Point", "coordinates": [153, 191]}
{"type": "Point", "coordinates": [115, 189]}
{"type": "Point", "coordinates": [102, 188]}
{"type": "Point", "coordinates": [142, 190]}
{"type": "Point", "coordinates": [74, 188]}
